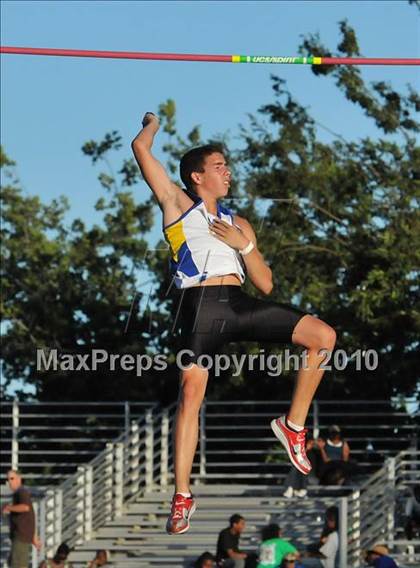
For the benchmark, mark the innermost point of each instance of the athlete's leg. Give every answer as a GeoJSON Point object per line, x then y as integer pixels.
{"type": "Point", "coordinates": [269, 321]}
{"type": "Point", "coordinates": [199, 313]}
{"type": "Point", "coordinates": [203, 312]}
{"type": "Point", "coordinates": [192, 389]}
{"type": "Point", "coordinates": [263, 321]}
{"type": "Point", "coordinates": [315, 335]}
{"type": "Point", "coordinates": [193, 384]}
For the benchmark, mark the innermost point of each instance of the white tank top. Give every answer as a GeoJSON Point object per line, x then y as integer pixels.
{"type": "Point", "coordinates": [196, 254]}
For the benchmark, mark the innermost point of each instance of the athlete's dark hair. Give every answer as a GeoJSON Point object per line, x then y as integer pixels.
{"type": "Point", "coordinates": [235, 519]}
{"type": "Point", "coordinates": [270, 531]}
{"type": "Point", "coordinates": [193, 161]}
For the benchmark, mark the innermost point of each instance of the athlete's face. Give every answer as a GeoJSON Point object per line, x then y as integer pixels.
{"type": "Point", "coordinates": [216, 177]}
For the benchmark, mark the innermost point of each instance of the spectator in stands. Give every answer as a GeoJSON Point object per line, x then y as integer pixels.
{"type": "Point", "coordinates": [59, 559]}
{"type": "Point", "coordinates": [22, 522]}
{"type": "Point", "coordinates": [412, 514]}
{"type": "Point", "coordinates": [101, 559]}
{"type": "Point", "coordinates": [228, 553]}
{"type": "Point", "coordinates": [379, 557]}
{"type": "Point", "coordinates": [336, 466]}
{"type": "Point", "coordinates": [273, 548]}
{"type": "Point", "coordinates": [328, 545]}
{"type": "Point", "coordinates": [206, 560]}
{"type": "Point", "coordinates": [291, 561]}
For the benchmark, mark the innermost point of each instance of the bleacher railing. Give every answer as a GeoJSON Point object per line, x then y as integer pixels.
{"type": "Point", "coordinates": [95, 494]}
{"type": "Point", "coordinates": [235, 440]}
{"type": "Point", "coordinates": [50, 440]}
{"type": "Point", "coordinates": [236, 443]}
{"type": "Point", "coordinates": [98, 493]}
{"type": "Point", "coordinates": [371, 510]}
{"type": "Point", "coordinates": [141, 460]}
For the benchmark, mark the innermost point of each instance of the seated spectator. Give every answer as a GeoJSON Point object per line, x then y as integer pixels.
{"type": "Point", "coordinates": [59, 560]}
{"type": "Point", "coordinates": [228, 553]}
{"type": "Point", "coordinates": [379, 557]}
{"type": "Point", "coordinates": [327, 548]}
{"type": "Point", "coordinates": [101, 559]}
{"type": "Point", "coordinates": [206, 560]}
{"type": "Point", "coordinates": [336, 467]}
{"type": "Point", "coordinates": [412, 514]}
{"type": "Point", "coordinates": [273, 548]}
{"type": "Point", "coordinates": [291, 561]}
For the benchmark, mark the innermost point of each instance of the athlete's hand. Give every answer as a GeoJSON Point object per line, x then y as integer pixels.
{"type": "Point", "coordinates": [152, 119]}
{"type": "Point", "coordinates": [229, 234]}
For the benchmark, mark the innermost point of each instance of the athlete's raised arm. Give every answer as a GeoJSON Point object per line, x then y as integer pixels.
{"type": "Point", "coordinates": [152, 170]}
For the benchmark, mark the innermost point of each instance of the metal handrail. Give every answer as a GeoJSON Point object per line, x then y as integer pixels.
{"type": "Point", "coordinates": [26, 440]}
{"type": "Point", "coordinates": [96, 493]}
{"type": "Point", "coordinates": [229, 428]}
{"type": "Point", "coordinates": [140, 460]}
{"type": "Point", "coordinates": [372, 508]}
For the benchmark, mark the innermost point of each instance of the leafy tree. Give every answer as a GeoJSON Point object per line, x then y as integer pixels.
{"type": "Point", "coordinates": [71, 288]}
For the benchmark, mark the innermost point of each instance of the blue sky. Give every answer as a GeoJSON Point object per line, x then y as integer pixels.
{"type": "Point", "coordinates": [50, 106]}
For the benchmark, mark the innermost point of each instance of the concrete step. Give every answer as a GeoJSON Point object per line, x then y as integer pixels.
{"type": "Point", "coordinates": [159, 520]}
{"type": "Point", "coordinates": [246, 502]}
{"type": "Point", "coordinates": [124, 563]}
{"type": "Point", "coordinates": [215, 489]}
{"type": "Point", "coordinates": [139, 531]}
{"type": "Point", "coordinates": [306, 506]}
{"type": "Point", "coordinates": [138, 538]}
{"type": "Point", "coordinates": [137, 562]}
{"type": "Point", "coordinates": [211, 513]}
{"type": "Point", "coordinates": [137, 550]}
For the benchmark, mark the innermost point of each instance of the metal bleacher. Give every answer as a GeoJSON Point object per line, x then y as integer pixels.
{"type": "Point", "coordinates": [138, 537]}
{"type": "Point", "coordinates": [119, 500]}
{"type": "Point", "coordinates": [49, 440]}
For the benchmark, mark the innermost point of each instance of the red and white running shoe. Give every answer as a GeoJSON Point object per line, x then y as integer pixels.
{"type": "Point", "coordinates": [294, 443]}
{"type": "Point", "coordinates": [181, 513]}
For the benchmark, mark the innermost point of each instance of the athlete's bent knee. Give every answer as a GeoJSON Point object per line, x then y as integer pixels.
{"type": "Point", "coordinates": [327, 337]}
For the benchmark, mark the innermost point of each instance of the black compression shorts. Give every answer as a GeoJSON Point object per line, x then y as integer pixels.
{"type": "Point", "coordinates": [212, 316]}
